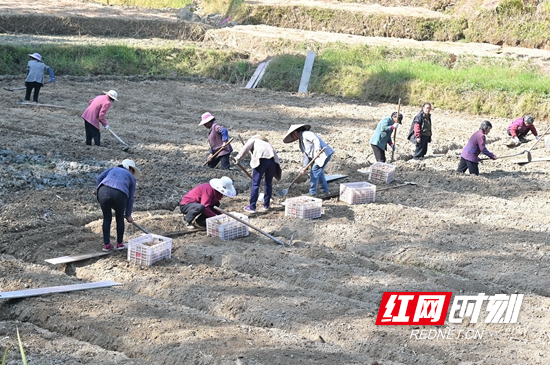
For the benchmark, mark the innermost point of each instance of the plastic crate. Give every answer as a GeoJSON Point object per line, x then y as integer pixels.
{"type": "Point", "coordinates": [148, 249]}
{"type": "Point", "coordinates": [382, 172]}
{"type": "Point", "coordinates": [547, 142]}
{"type": "Point", "coordinates": [226, 227]}
{"type": "Point", "coordinates": [304, 207]}
{"type": "Point", "coordinates": [357, 192]}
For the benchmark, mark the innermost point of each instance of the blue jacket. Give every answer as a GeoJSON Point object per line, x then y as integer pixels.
{"type": "Point", "coordinates": [35, 72]}
{"type": "Point", "coordinates": [382, 135]}
{"type": "Point", "coordinates": [121, 179]}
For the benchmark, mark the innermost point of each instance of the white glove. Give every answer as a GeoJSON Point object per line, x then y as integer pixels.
{"type": "Point", "coordinates": [537, 137]}
{"type": "Point", "coordinates": [395, 125]}
{"type": "Point", "coordinates": [107, 127]}
{"type": "Point", "coordinates": [515, 140]}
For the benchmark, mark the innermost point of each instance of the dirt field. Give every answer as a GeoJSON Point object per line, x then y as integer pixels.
{"type": "Point", "coordinates": [250, 301]}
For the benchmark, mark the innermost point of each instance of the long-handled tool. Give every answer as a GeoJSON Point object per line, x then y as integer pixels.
{"type": "Point", "coordinates": [397, 186]}
{"type": "Point", "coordinates": [284, 192]}
{"type": "Point", "coordinates": [529, 159]}
{"type": "Point", "coordinates": [213, 156]}
{"type": "Point", "coordinates": [140, 227]}
{"type": "Point", "coordinates": [251, 226]}
{"type": "Point", "coordinates": [15, 88]}
{"type": "Point", "coordinates": [515, 154]}
{"type": "Point", "coordinates": [395, 131]}
{"type": "Point", "coordinates": [126, 147]}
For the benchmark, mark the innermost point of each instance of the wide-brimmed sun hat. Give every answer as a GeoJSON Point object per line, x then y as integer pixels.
{"type": "Point", "coordinates": [205, 118]}
{"type": "Point", "coordinates": [112, 94]}
{"type": "Point", "coordinates": [129, 163]}
{"type": "Point", "coordinates": [224, 186]}
{"type": "Point", "coordinates": [36, 56]}
{"type": "Point", "coordinates": [288, 138]}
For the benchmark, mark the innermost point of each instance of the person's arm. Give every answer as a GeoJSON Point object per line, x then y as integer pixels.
{"type": "Point", "coordinates": [533, 130]}
{"type": "Point", "coordinates": [483, 147]}
{"type": "Point", "coordinates": [103, 112]}
{"type": "Point", "coordinates": [101, 177]}
{"type": "Point", "coordinates": [514, 130]}
{"type": "Point", "coordinates": [225, 134]}
{"type": "Point", "coordinates": [130, 201]}
{"type": "Point", "coordinates": [50, 72]}
{"type": "Point", "coordinates": [417, 127]}
{"type": "Point", "coordinates": [208, 200]}
{"type": "Point", "coordinates": [246, 148]}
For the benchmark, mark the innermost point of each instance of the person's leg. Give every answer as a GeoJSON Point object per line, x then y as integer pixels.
{"type": "Point", "coordinates": [104, 198]}
{"type": "Point", "coordinates": [191, 211]}
{"type": "Point", "coordinates": [418, 151]}
{"type": "Point", "coordinates": [424, 142]}
{"type": "Point", "coordinates": [257, 174]}
{"type": "Point", "coordinates": [473, 167]}
{"type": "Point", "coordinates": [225, 162]}
{"type": "Point", "coordinates": [87, 127]}
{"type": "Point", "coordinates": [37, 87]}
{"type": "Point", "coordinates": [119, 206]}
{"type": "Point", "coordinates": [96, 135]}
{"type": "Point", "coordinates": [270, 171]}
{"type": "Point", "coordinates": [214, 162]}
{"type": "Point", "coordinates": [322, 177]}
{"type": "Point", "coordinates": [28, 91]}
{"type": "Point", "coordinates": [462, 165]}
{"type": "Point", "coordinates": [379, 154]}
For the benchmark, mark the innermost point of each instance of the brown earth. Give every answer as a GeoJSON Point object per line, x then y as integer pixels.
{"type": "Point", "coordinates": [250, 301]}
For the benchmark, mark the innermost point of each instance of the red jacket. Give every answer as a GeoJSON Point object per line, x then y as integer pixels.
{"type": "Point", "coordinates": [206, 195]}
{"type": "Point", "coordinates": [519, 128]}
{"type": "Point", "coordinates": [96, 111]}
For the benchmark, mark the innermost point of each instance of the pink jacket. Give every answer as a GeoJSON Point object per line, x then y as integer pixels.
{"type": "Point", "coordinates": [95, 112]}
{"type": "Point", "coordinates": [206, 195]}
{"type": "Point", "coordinates": [520, 128]}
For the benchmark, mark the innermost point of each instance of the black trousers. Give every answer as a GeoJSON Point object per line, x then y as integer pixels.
{"type": "Point", "coordinates": [471, 166]}
{"type": "Point", "coordinates": [192, 210]}
{"type": "Point", "coordinates": [379, 154]}
{"type": "Point", "coordinates": [92, 132]}
{"type": "Point", "coordinates": [112, 199]}
{"type": "Point", "coordinates": [32, 85]}
{"type": "Point", "coordinates": [421, 148]}
{"type": "Point", "coordinates": [223, 159]}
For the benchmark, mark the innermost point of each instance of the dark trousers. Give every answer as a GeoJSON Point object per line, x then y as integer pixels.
{"type": "Point", "coordinates": [422, 147]}
{"type": "Point", "coordinates": [32, 85]}
{"type": "Point", "coordinates": [112, 199]}
{"type": "Point", "coordinates": [379, 154]}
{"type": "Point", "coordinates": [194, 210]}
{"type": "Point", "coordinates": [471, 166]}
{"type": "Point", "coordinates": [223, 159]}
{"type": "Point", "coordinates": [92, 132]}
{"type": "Point", "coordinates": [267, 169]}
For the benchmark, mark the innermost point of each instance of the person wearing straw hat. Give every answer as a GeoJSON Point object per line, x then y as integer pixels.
{"type": "Point", "coordinates": [310, 145]}
{"type": "Point", "coordinates": [382, 136]}
{"type": "Point", "coordinates": [95, 114]}
{"type": "Point", "coordinates": [218, 137]}
{"type": "Point", "coordinates": [35, 76]}
{"type": "Point", "coordinates": [198, 203]}
{"type": "Point", "coordinates": [265, 163]}
{"type": "Point", "coordinates": [115, 191]}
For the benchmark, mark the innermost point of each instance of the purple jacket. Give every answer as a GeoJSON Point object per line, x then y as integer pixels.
{"type": "Point", "coordinates": [95, 113]}
{"type": "Point", "coordinates": [121, 179]}
{"type": "Point", "coordinates": [206, 195]}
{"type": "Point", "coordinates": [475, 146]}
{"type": "Point", "coordinates": [216, 136]}
{"type": "Point", "coordinates": [519, 128]}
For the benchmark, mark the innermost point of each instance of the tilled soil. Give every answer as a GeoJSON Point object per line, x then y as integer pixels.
{"type": "Point", "coordinates": [249, 300]}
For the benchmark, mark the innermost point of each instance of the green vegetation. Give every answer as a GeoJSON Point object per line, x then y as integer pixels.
{"type": "Point", "coordinates": [500, 87]}
{"type": "Point", "coordinates": [155, 4]}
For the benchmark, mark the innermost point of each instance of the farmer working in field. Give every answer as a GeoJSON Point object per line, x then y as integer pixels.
{"type": "Point", "coordinates": [35, 76]}
{"type": "Point", "coordinates": [198, 204]}
{"type": "Point", "coordinates": [95, 114]}
{"type": "Point", "coordinates": [115, 191]}
{"type": "Point", "coordinates": [311, 145]}
{"type": "Point", "coordinates": [421, 131]}
{"type": "Point", "coordinates": [382, 136]}
{"type": "Point", "coordinates": [476, 145]}
{"type": "Point", "coordinates": [264, 162]}
{"type": "Point", "coordinates": [519, 129]}
{"type": "Point", "coordinates": [218, 137]}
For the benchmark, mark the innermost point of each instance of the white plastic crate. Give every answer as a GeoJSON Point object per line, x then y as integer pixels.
{"type": "Point", "coordinates": [226, 227]}
{"type": "Point", "coordinates": [382, 172]}
{"type": "Point", "coordinates": [148, 249]}
{"type": "Point", "coordinates": [305, 207]}
{"type": "Point", "coordinates": [547, 142]}
{"type": "Point", "coordinates": [357, 192]}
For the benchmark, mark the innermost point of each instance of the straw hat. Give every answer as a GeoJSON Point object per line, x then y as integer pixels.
{"type": "Point", "coordinates": [129, 163]}
{"type": "Point", "coordinates": [288, 138]}
{"type": "Point", "coordinates": [112, 94]}
{"type": "Point", "coordinates": [36, 56]}
{"type": "Point", "coordinates": [224, 186]}
{"type": "Point", "coordinates": [260, 137]}
{"type": "Point", "coordinates": [206, 117]}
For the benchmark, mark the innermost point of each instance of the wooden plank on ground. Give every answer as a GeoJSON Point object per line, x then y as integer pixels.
{"type": "Point", "coordinates": [330, 178]}
{"type": "Point", "coordinates": [306, 73]}
{"type": "Point", "coordinates": [66, 259]}
{"type": "Point", "coordinates": [255, 76]}
{"type": "Point", "coordinates": [262, 73]}
{"type": "Point", "coordinates": [55, 289]}
{"type": "Point", "coordinates": [39, 104]}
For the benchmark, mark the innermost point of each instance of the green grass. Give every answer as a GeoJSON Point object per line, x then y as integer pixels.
{"type": "Point", "coordinates": [155, 4]}
{"type": "Point", "coordinates": [491, 86]}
